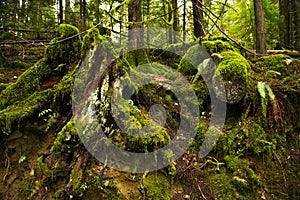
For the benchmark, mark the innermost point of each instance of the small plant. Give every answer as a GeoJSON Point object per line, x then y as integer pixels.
{"type": "Point", "coordinates": [22, 159]}
{"type": "Point", "coordinates": [266, 93]}
{"type": "Point", "coordinates": [48, 116]}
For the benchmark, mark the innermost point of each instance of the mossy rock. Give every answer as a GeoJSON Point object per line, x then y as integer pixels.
{"type": "Point", "coordinates": [189, 63]}
{"type": "Point", "coordinates": [280, 63]}
{"type": "Point", "coordinates": [63, 49]}
{"type": "Point", "coordinates": [217, 46]}
{"type": "Point", "coordinates": [234, 69]}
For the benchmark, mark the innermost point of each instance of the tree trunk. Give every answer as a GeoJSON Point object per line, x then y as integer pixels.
{"type": "Point", "coordinates": [61, 15]}
{"type": "Point", "coordinates": [67, 11]}
{"type": "Point", "coordinates": [84, 13]}
{"type": "Point", "coordinates": [183, 19]}
{"type": "Point", "coordinates": [135, 38]}
{"type": "Point", "coordinates": [261, 43]}
{"type": "Point", "coordinates": [198, 18]}
{"type": "Point", "coordinates": [176, 21]}
{"type": "Point", "coordinates": [285, 33]}
{"type": "Point", "coordinates": [296, 17]}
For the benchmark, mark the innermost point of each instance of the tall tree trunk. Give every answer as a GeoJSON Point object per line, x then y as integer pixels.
{"type": "Point", "coordinates": [67, 10]}
{"type": "Point", "coordinates": [176, 21]}
{"type": "Point", "coordinates": [61, 15]}
{"type": "Point", "coordinates": [261, 43]}
{"type": "Point", "coordinates": [84, 13]}
{"type": "Point", "coordinates": [296, 17]}
{"type": "Point", "coordinates": [183, 19]}
{"type": "Point", "coordinates": [198, 18]}
{"type": "Point", "coordinates": [135, 38]}
{"type": "Point", "coordinates": [285, 33]}
{"type": "Point", "coordinates": [97, 4]}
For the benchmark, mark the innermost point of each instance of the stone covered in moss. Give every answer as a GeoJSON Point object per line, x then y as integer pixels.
{"type": "Point", "coordinates": [65, 48]}
{"type": "Point", "coordinates": [217, 46]}
{"type": "Point", "coordinates": [234, 72]}
{"type": "Point", "coordinates": [280, 63]}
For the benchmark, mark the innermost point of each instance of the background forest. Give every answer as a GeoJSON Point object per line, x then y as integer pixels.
{"type": "Point", "coordinates": [255, 45]}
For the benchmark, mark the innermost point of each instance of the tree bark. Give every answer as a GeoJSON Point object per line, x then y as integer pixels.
{"type": "Point", "coordinates": [61, 15]}
{"type": "Point", "coordinates": [296, 17]}
{"type": "Point", "coordinates": [285, 33]}
{"type": "Point", "coordinates": [67, 10]}
{"type": "Point", "coordinates": [183, 19]}
{"type": "Point", "coordinates": [261, 43]}
{"type": "Point", "coordinates": [198, 18]}
{"type": "Point", "coordinates": [176, 21]}
{"type": "Point", "coordinates": [135, 38]}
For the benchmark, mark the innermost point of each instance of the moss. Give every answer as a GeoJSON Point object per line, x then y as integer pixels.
{"type": "Point", "coordinates": [217, 46]}
{"type": "Point", "coordinates": [63, 49]}
{"type": "Point", "coordinates": [195, 54]}
{"type": "Point", "coordinates": [63, 90]}
{"type": "Point", "coordinates": [234, 70]}
{"type": "Point", "coordinates": [27, 84]}
{"type": "Point", "coordinates": [44, 169]}
{"type": "Point", "coordinates": [66, 139]}
{"type": "Point", "coordinates": [18, 64]}
{"type": "Point", "coordinates": [156, 186]}
{"type": "Point", "coordinates": [12, 116]}
{"type": "Point", "coordinates": [235, 180]}
{"type": "Point", "coordinates": [67, 30]}
{"type": "Point", "coordinates": [276, 63]}
{"type": "Point", "coordinates": [91, 39]}
{"type": "Point", "coordinates": [98, 190]}
{"type": "Point", "coordinates": [3, 86]}
{"type": "Point", "coordinates": [233, 66]}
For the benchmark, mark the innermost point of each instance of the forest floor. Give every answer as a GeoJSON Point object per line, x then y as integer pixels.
{"type": "Point", "coordinates": [256, 157]}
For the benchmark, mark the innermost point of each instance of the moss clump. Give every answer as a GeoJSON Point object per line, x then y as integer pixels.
{"type": "Point", "coordinates": [156, 186]}
{"type": "Point", "coordinates": [278, 63]}
{"type": "Point", "coordinates": [217, 46]}
{"type": "Point", "coordinates": [63, 49]}
{"type": "Point", "coordinates": [92, 39]}
{"type": "Point", "coordinates": [27, 84]}
{"type": "Point", "coordinates": [12, 116]}
{"type": "Point", "coordinates": [234, 70]}
{"type": "Point", "coordinates": [233, 66]}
